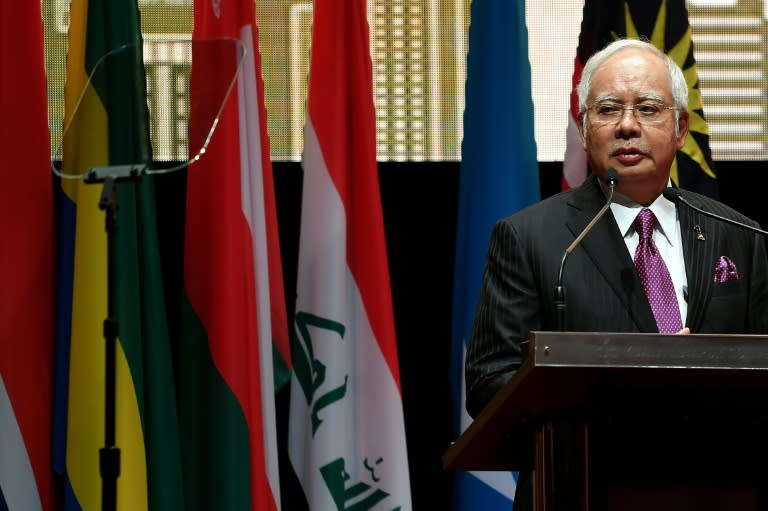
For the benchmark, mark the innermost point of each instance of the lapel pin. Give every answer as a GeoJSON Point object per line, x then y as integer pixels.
{"type": "Point", "coordinates": [699, 234]}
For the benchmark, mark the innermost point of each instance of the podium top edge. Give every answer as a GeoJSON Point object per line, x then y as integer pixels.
{"type": "Point", "coordinates": [628, 350]}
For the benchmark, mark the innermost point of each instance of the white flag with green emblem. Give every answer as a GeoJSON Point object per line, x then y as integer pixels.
{"type": "Point", "coordinates": [346, 434]}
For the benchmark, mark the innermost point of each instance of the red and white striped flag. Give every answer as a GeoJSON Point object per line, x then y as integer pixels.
{"type": "Point", "coordinates": [232, 274]}
{"type": "Point", "coordinates": [346, 434]}
{"type": "Point", "coordinates": [575, 159]}
{"type": "Point", "coordinates": [27, 262]}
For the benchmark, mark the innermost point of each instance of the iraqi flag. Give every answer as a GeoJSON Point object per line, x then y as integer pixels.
{"type": "Point", "coordinates": [346, 432]}
{"type": "Point", "coordinates": [233, 311]}
{"type": "Point", "coordinates": [665, 24]}
{"type": "Point", "coordinates": [27, 262]}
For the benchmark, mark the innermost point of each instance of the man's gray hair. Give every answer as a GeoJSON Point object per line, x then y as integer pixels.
{"type": "Point", "coordinates": [677, 79]}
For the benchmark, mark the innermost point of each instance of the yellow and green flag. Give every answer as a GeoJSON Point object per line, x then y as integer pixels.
{"type": "Point", "coordinates": [106, 124]}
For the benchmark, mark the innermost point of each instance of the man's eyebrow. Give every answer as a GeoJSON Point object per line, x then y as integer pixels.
{"type": "Point", "coordinates": [606, 98]}
{"type": "Point", "coordinates": [649, 96]}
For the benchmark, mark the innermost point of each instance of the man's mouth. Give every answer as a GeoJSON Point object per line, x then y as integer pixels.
{"type": "Point", "coordinates": [628, 155]}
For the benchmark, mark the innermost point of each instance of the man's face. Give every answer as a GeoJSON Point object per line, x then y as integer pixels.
{"type": "Point", "coordinates": [641, 152]}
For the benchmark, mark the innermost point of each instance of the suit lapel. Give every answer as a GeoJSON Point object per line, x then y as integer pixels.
{"type": "Point", "coordinates": [608, 252]}
{"type": "Point", "coordinates": [697, 254]}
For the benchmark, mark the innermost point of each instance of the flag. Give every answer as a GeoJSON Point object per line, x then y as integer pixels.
{"type": "Point", "coordinates": [27, 264]}
{"type": "Point", "coordinates": [665, 24]}
{"type": "Point", "coordinates": [234, 305]}
{"type": "Point", "coordinates": [499, 175]}
{"type": "Point", "coordinates": [346, 430]}
{"type": "Point", "coordinates": [106, 124]}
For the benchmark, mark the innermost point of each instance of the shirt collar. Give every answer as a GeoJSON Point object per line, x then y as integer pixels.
{"type": "Point", "coordinates": [625, 210]}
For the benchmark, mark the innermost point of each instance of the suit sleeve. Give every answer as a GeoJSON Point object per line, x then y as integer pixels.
{"type": "Point", "coordinates": [758, 289]}
{"type": "Point", "coordinates": [507, 310]}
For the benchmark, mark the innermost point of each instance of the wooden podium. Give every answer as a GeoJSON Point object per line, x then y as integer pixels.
{"type": "Point", "coordinates": [616, 421]}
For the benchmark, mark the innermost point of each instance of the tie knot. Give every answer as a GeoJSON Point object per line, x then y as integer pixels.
{"type": "Point", "coordinates": [644, 223]}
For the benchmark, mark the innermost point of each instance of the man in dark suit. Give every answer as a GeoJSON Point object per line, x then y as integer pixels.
{"type": "Point", "coordinates": [633, 102]}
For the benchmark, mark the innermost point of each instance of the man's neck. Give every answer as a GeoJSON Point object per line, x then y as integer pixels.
{"type": "Point", "coordinates": [621, 196]}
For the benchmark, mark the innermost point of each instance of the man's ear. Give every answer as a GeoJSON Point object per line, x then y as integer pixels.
{"type": "Point", "coordinates": [582, 132]}
{"type": "Point", "coordinates": [683, 125]}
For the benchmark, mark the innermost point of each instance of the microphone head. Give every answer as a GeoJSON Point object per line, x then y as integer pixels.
{"type": "Point", "coordinates": [671, 194]}
{"type": "Point", "coordinates": [611, 177]}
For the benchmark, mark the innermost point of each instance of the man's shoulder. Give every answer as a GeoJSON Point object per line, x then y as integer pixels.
{"type": "Point", "coordinates": [542, 209]}
{"type": "Point", "coordinates": [541, 222]}
{"type": "Point", "coordinates": [715, 206]}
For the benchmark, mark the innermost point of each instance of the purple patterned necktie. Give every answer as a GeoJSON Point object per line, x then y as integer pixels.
{"type": "Point", "coordinates": [655, 276]}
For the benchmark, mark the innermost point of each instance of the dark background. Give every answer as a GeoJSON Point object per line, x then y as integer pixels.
{"type": "Point", "coordinates": [419, 201]}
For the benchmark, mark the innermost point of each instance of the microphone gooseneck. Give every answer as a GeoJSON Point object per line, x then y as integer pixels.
{"type": "Point", "coordinates": [611, 179]}
{"type": "Point", "coordinates": [673, 195]}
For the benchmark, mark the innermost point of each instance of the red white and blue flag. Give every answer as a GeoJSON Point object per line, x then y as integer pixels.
{"type": "Point", "coordinates": [27, 262]}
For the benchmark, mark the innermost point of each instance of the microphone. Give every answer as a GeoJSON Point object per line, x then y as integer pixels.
{"type": "Point", "coordinates": [611, 179]}
{"type": "Point", "coordinates": [673, 195]}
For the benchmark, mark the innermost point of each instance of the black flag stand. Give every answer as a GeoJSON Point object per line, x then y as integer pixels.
{"type": "Point", "coordinates": [109, 455]}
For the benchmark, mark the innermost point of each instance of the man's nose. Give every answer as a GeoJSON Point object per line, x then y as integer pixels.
{"type": "Point", "coordinates": [628, 123]}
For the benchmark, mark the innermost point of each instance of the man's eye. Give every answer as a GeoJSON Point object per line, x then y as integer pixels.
{"type": "Point", "coordinates": [608, 110]}
{"type": "Point", "coordinates": [648, 110]}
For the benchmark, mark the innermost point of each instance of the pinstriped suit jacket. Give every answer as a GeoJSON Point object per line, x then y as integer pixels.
{"type": "Point", "coordinates": [603, 291]}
